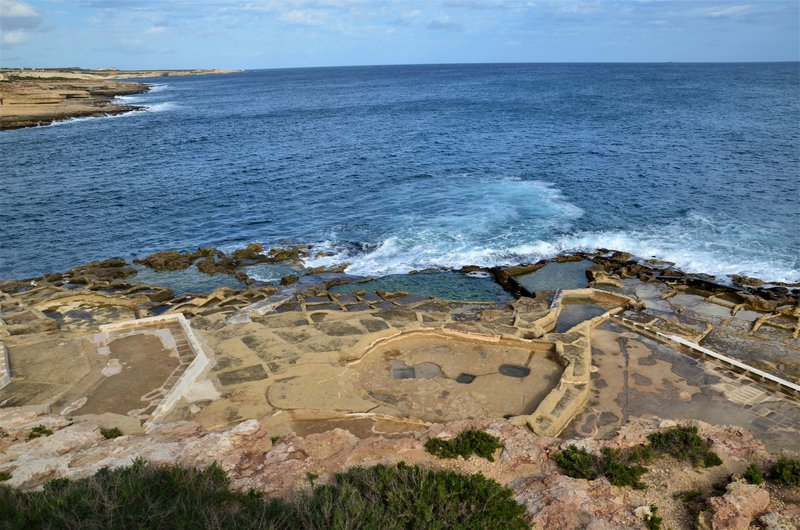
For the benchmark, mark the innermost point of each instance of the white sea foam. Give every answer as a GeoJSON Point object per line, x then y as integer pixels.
{"type": "Point", "coordinates": [694, 243]}
{"type": "Point", "coordinates": [157, 87]}
{"type": "Point", "coordinates": [162, 106]}
{"type": "Point", "coordinates": [69, 121]}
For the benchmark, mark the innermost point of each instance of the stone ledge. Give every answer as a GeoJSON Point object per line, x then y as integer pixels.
{"type": "Point", "coordinates": [5, 367]}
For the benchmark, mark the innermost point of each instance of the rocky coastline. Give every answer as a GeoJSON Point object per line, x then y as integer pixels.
{"type": "Point", "coordinates": [31, 98]}
{"type": "Point", "coordinates": [316, 371]}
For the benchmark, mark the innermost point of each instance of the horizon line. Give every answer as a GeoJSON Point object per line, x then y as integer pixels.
{"type": "Point", "coordinates": [461, 63]}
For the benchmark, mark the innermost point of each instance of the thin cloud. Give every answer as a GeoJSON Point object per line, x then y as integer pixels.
{"type": "Point", "coordinates": [730, 11]}
{"type": "Point", "coordinates": [19, 20]}
{"type": "Point", "coordinates": [444, 24]}
{"type": "Point", "coordinates": [305, 17]}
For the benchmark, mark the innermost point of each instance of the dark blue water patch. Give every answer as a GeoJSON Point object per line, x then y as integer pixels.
{"type": "Point", "coordinates": [445, 285]}
{"type": "Point", "coordinates": [409, 167]}
{"type": "Point", "coordinates": [189, 280]}
{"type": "Point", "coordinates": [554, 276]}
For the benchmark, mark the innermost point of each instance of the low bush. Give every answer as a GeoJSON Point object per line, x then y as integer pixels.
{"type": "Point", "coordinates": [404, 497]}
{"type": "Point", "coordinates": [625, 467]}
{"type": "Point", "coordinates": [753, 474]}
{"type": "Point", "coordinates": [653, 521]}
{"type": "Point", "coordinates": [621, 469]}
{"type": "Point", "coordinates": [146, 496]}
{"type": "Point", "coordinates": [684, 443]}
{"type": "Point", "coordinates": [113, 432]}
{"type": "Point", "coordinates": [5, 475]}
{"type": "Point", "coordinates": [786, 471]}
{"type": "Point", "coordinates": [38, 432]}
{"type": "Point", "coordinates": [465, 445]}
{"type": "Point", "coordinates": [617, 466]}
{"type": "Point", "coordinates": [576, 462]}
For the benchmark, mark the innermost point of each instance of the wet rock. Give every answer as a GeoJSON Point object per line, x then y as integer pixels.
{"type": "Point", "coordinates": [253, 251]}
{"type": "Point", "coordinates": [167, 260]}
{"type": "Point", "coordinates": [620, 257]}
{"type": "Point", "coordinates": [289, 280]}
{"type": "Point", "coordinates": [161, 295]}
{"type": "Point", "coordinates": [597, 274]}
{"type": "Point", "coordinates": [110, 269]}
{"type": "Point", "coordinates": [757, 303]}
{"type": "Point", "coordinates": [744, 280]}
{"type": "Point", "coordinates": [14, 286]}
{"type": "Point", "coordinates": [659, 263]}
{"type": "Point", "coordinates": [244, 278]}
{"type": "Point", "coordinates": [207, 265]}
{"type": "Point", "coordinates": [735, 510]}
{"type": "Point", "coordinates": [292, 254]}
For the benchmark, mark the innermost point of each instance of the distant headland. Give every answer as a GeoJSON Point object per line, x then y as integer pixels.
{"type": "Point", "coordinates": [30, 97]}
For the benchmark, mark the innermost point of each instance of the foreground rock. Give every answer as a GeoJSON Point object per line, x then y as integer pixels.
{"type": "Point", "coordinates": [281, 466]}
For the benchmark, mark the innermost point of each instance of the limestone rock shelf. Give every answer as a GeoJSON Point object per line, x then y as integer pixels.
{"type": "Point", "coordinates": [29, 103]}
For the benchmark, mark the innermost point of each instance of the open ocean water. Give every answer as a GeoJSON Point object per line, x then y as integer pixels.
{"type": "Point", "coordinates": [394, 168]}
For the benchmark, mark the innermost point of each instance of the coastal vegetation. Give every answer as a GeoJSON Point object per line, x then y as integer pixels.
{"type": "Point", "coordinates": [625, 467]}
{"type": "Point", "coordinates": [147, 496]}
{"type": "Point", "coordinates": [786, 471]}
{"type": "Point", "coordinates": [753, 474]}
{"type": "Point", "coordinates": [466, 444]}
{"type": "Point", "coordinates": [112, 432]}
{"type": "Point", "coordinates": [39, 431]}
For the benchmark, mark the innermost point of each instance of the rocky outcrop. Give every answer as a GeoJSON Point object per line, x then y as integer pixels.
{"type": "Point", "coordinates": [280, 466]}
{"type": "Point", "coordinates": [172, 260]}
{"type": "Point", "coordinates": [110, 269]}
{"type": "Point", "coordinates": [736, 509]}
{"type": "Point", "coordinates": [28, 103]}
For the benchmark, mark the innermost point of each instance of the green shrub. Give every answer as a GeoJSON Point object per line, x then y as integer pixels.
{"type": "Point", "coordinates": [113, 432]}
{"type": "Point", "coordinates": [465, 445]}
{"type": "Point", "coordinates": [5, 475]}
{"type": "Point", "coordinates": [690, 495]}
{"type": "Point", "coordinates": [409, 497]}
{"type": "Point", "coordinates": [578, 463]}
{"type": "Point", "coordinates": [684, 443]}
{"type": "Point", "coordinates": [620, 471]}
{"type": "Point", "coordinates": [141, 496]}
{"type": "Point", "coordinates": [753, 474]}
{"type": "Point", "coordinates": [146, 496]}
{"type": "Point", "coordinates": [786, 471]}
{"type": "Point", "coordinates": [625, 467]}
{"type": "Point", "coordinates": [653, 521]}
{"type": "Point", "coordinates": [38, 432]}
{"type": "Point", "coordinates": [619, 467]}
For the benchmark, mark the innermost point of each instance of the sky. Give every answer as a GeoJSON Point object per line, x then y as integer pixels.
{"type": "Point", "coordinates": [253, 34]}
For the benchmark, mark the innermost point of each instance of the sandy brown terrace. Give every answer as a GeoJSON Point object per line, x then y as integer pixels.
{"type": "Point", "coordinates": [304, 360]}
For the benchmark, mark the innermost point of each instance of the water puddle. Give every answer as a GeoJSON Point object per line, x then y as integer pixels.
{"type": "Point", "coordinates": [573, 312]}
{"type": "Point", "coordinates": [514, 370]}
{"type": "Point", "coordinates": [445, 285]}
{"type": "Point", "coordinates": [189, 280]}
{"type": "Point", "coordinates": [465, 379]}
{"type": "Point", "coordinates": [554, 276]}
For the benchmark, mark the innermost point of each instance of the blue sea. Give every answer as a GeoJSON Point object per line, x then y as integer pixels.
{"type": "Point", "coordinates": [394, 168]}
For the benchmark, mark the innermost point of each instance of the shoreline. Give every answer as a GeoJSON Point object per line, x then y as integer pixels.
{"type": "Point", "coordinates": [308, 257]}
{"type": "Point", "coordinates": [33, 98]}
{"type": "Point", "coordinates": [367, 371]}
